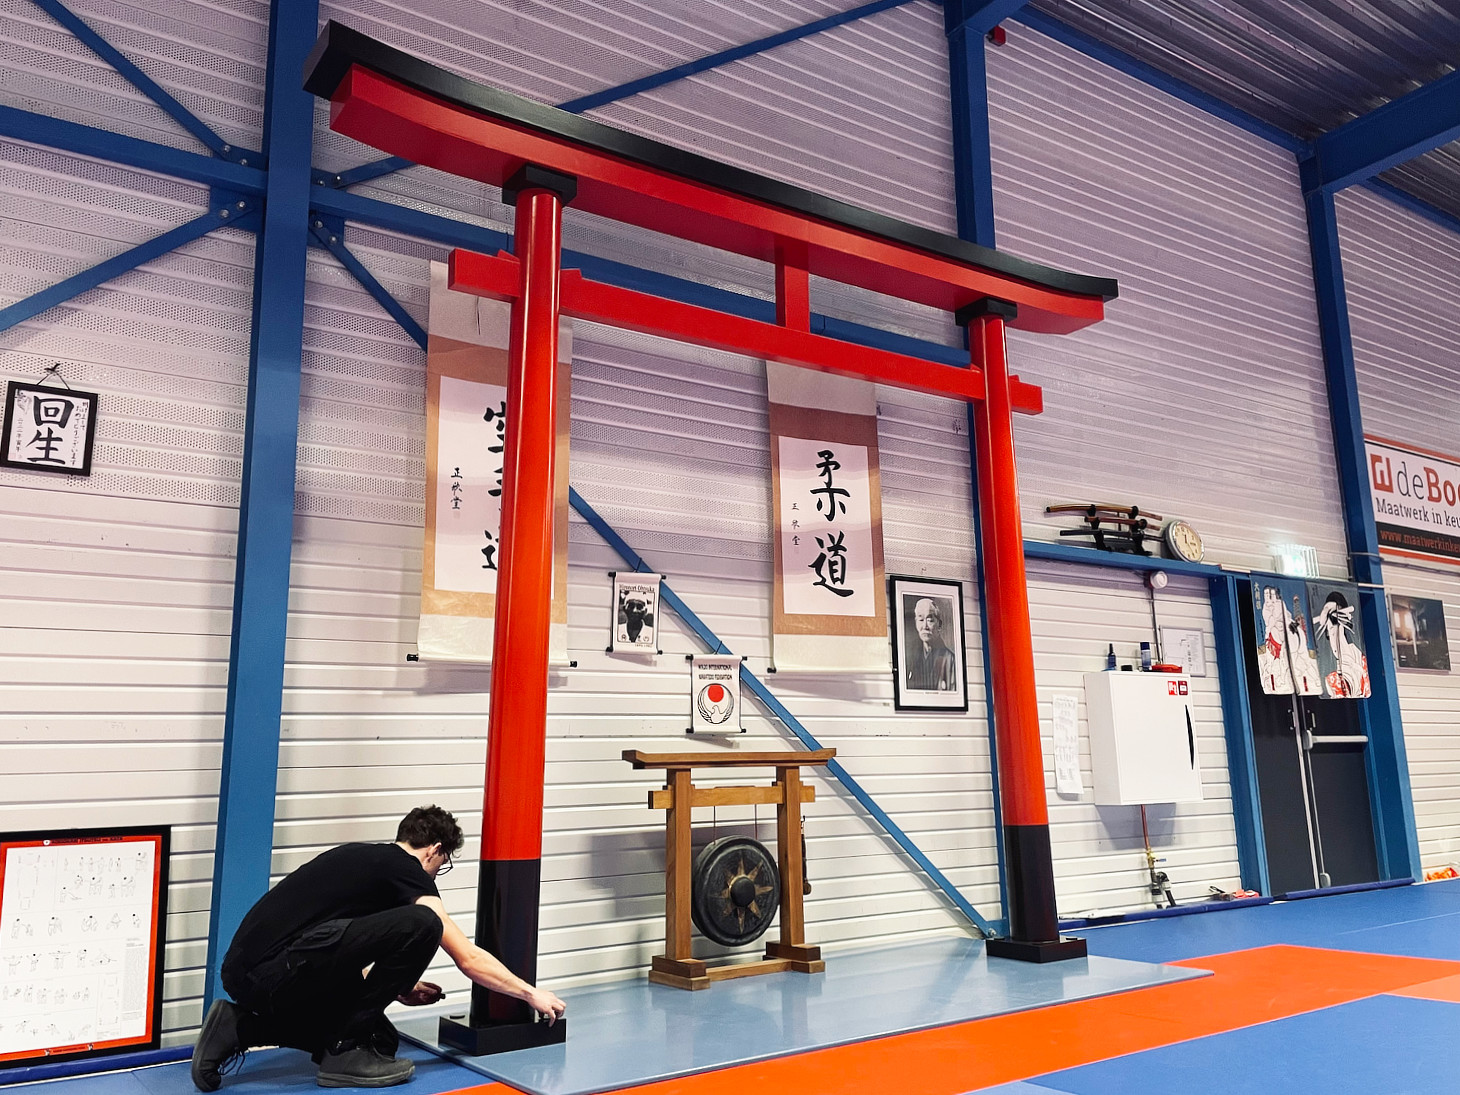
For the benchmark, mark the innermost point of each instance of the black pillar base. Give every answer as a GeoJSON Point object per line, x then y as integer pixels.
{"type": "Point", "coordinates": [1023, 950]}
{"type": "Point", "coordinates": [457, 1033]}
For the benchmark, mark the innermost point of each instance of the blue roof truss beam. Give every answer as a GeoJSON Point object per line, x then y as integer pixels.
{"type": "Point", "coordinates": [1411, 125]}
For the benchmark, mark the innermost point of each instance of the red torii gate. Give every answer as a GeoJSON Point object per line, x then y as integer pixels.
{"type": "Point", "coordinates": [544, 158]}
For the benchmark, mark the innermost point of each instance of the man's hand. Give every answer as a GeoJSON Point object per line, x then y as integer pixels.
{"type": "Point", "coordinates": [545, 1004]}
{"type": "Point", "coordinates": [424, 993]}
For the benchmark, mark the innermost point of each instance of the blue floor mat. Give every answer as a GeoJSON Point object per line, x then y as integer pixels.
{"type": "Point", "coordinates": [1385, 1045]}
{"type": "Point", "coordinates": [1421, 921]}
{"type": "Point", "coordinates": [265, 1072]}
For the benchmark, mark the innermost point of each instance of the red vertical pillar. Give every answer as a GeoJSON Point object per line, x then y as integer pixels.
{"type": "Point", "coordinates": [1033, 921]}
{"type": "Point", "coordinates": [511, 864]}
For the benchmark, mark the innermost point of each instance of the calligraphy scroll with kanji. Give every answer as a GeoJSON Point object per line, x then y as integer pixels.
{"type": "Point", "coordinates": [466, 401]}
{"type": "Point", "coordinates": [829, 607]}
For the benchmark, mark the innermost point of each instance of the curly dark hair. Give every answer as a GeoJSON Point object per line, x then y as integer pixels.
{"type": "Point", "coordinates": [427, 825]}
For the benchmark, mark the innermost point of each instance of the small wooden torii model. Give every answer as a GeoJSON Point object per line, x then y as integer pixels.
{"type": "Point", "coordinates": [544, 158]}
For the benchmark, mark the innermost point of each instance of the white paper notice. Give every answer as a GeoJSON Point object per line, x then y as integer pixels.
{"type": "Point", "coordinates": [826, 529]}
{"type": "Point", "coordinates": [468, 486]}
{"type": "Point", "coordinates": [1067, 780]}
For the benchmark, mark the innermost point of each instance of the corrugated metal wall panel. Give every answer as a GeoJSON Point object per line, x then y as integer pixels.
{"type": "Point", "coordinates": [1202, 393]}
{"type": "Point", "coordinates": [1403, 296]}
{"type": "Point", "coordinates": [1200, 396]}
{"type": "Point", "coordinates": [116, 590]}
{"type": "Point", "coordinates": [670, 443]}
{"type": "Point", "coordinates": [1099, 854]}
{"type": "Point", "coordinates": [208, 54]}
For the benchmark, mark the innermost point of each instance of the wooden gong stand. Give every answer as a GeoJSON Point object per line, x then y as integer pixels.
{"type": "Point", "coordinates": [679, 797]}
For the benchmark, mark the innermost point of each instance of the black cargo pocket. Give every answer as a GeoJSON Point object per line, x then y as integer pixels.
{"type": "Point", "coordinates": [312, 945]}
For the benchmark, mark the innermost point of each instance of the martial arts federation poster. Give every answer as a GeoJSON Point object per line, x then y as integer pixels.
{"type": "Point", "coordinates": [466, 404]}
{"type": "Point", "coordinates": [1287, 661]}
{"type": "Point", "coordinates": [714, 694]}
{"type": "Point", "coordinates": [1416, 500]}
{"type": "Point", "coordinates": [1339, 636]}
{"type": "Point", "coordinates": [830, 600]}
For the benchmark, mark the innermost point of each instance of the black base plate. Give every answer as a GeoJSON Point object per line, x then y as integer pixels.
{"type": "Point", "coordinates": [1022, 950]}
{"type": "Point", "coordinates": [499, 1037]}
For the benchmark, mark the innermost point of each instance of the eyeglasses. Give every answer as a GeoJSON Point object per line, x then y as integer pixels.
{"type": "Point", "coordinates": [445, 868]}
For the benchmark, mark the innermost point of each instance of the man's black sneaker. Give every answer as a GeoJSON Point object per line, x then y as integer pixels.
{"type": "Point", "coordinates": [363, 1066]}
{"type": "Point", "coordinates": [218, 1045]}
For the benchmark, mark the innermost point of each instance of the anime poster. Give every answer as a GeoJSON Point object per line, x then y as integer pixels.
{"type": "Point", "coordinates": [830, 596]}
{"type": "Point", "coordinates": [635, 614]}
{"type": "Point", "coordinates": [1287, 661]}
{"type": "Point", "coordinates": [466, 409]}
{"type": "Point", "coordinates": [1338, 633]}
{"type": "Point", "coordinates": [1420, 641]}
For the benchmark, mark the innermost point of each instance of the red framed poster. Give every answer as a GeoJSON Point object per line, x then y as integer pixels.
{"type": "Point", "coordinates": [82, 913]}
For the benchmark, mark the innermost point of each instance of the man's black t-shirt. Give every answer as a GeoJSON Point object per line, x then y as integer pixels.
{"type": "Point", "coordinates": [340, 884]}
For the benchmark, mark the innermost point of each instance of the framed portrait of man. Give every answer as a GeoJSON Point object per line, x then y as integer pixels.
{"type": "Point", "coordinates": [929, 669]}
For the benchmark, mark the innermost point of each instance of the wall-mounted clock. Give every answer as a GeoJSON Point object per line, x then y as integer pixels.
{"type": "Point", "coordinates": [1183, 541]}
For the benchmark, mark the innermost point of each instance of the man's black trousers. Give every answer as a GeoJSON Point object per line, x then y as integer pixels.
{"type": "Point", "coordinates": [312, 995]}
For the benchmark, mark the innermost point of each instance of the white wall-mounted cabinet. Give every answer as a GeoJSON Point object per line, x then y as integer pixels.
{"type": "Point", "coordinates": [1142, 738]}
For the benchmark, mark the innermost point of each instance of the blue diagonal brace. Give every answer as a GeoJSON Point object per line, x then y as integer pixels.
{"type": "Point", "coordinates": [723, 57]}
{"type": "Point", "coordinates": [332, 243]}
{"type": "Point", "coordinates": [339, 180]}
{"type": "Point", "coordinates": [101, 144]}
{"type": "Point", "coordinates": [762, 693]}
{"type": "Point", "coordinates": [220, 216]}
{"type": "Point", "coordinates": [1411, 125]}
{"type": "Point", "coordinates": [140, 80]}
{"type": "Point", "coordinates": [977, 17]}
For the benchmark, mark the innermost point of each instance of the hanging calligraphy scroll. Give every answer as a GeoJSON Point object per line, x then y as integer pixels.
{"type": "Point", "coordinates": [1286, 660]}
{"type": "Point", "coordinates": [466, 401]}
{"type": "Point", "coordinates": [829, 605]}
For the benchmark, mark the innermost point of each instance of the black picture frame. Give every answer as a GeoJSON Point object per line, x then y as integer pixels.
{"type": "Point", "coordinates": [1418, 627]}
{"type": "Point", "coordinates": [12, 390]}
{"type": "Point", "coordinates": [929, 672]}
{"type": "Point", "coordinates": [161, 838]}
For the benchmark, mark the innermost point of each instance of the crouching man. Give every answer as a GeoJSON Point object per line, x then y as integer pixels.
{"type": "Point", "coordinates": [319, 957]}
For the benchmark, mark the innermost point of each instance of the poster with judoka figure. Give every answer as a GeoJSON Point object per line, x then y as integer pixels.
{"type": "Point", "coordinates": [1339, 635]}
{"type": "Point", "coordinates": [1287, 662]}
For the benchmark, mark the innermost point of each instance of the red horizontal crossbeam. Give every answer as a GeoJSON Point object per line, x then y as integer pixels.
{"type": "Point", "coordinates": [497, 276]}
{"type": "Point", "coordinates": [450, 137]}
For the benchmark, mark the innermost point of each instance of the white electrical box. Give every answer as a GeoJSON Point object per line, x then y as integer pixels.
{"type": "Point", "coordinates": [1142, 738]}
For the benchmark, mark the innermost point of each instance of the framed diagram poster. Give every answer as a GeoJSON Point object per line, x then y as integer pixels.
{"type": "Point", "coordinates": [81, 929]}
{"type": "Point", "coordinates": [928, 663]}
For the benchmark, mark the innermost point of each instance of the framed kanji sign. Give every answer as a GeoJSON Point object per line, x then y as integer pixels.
{"type": "Point", "coordinates": [48, 429]}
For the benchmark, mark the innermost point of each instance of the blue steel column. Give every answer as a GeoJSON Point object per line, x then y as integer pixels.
{"type": "Point", "coordinates": [973, 189]}
{"type": "Point", "coordinates": [1389, 789]}
{"type": "Point", "coordinates": [266, 508]}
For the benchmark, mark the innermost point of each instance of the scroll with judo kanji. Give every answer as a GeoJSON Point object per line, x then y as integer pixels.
{"type": "Point", "coordinates": [466, 407]}
{"type": "Point", "coordinates": [829, 604]}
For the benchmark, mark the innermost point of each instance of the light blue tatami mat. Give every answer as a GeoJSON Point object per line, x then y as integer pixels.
{"type": "Point", "coordinates": [634, 1032]}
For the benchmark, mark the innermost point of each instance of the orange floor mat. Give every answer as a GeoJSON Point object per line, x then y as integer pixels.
{"type": "Point", "coordinates": [1446, 990]}
{"type": "Point", "coordinates": [1248, 987]}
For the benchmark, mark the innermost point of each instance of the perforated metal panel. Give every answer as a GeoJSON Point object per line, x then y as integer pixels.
{"type": "Point", "coordinates": [1404, 300]}
{"type": "Point", "coordinates": [116, 589]}
{"type": "Point", "coordinates": [208, 55]}
{"type": "Point", "coordinates": [670, 443]}
{"type": "Point", "coordinates": [1200, 396]}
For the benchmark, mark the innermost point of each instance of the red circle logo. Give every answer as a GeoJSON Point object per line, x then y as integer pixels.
{"type": "Point", "coordinates": [716, 693]}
